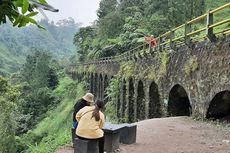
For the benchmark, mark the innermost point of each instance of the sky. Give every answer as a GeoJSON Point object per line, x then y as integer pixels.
{"type": "Point", "coordinates": [83, 11]}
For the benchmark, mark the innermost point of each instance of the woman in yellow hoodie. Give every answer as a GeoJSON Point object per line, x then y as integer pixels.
{"type": "Point", "coordinates": [90, 122]}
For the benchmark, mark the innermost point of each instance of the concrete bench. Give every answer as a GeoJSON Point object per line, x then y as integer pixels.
{"type": "Point", "coordinates": [112, 137]}
{"type": "Point", "coordinates": [128, 133]}
{"type": "Point", "coordinates": [85, 146]}
{"type": "Point", "coordinates": [118, 133]}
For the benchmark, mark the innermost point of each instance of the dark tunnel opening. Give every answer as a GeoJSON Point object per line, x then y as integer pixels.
{"type": "Point", "coordinates": [124, 98]}
{"type": "Point", "coordinates": [140, 101]}
{"type": "Point", "coordinates": [154, 101]}
{"type": "Point", "coordinates": [219, 107]}
{"type": "Point", "coordinates": [178, 104]}
{"type": "Point", "coordinates": [131, 101]}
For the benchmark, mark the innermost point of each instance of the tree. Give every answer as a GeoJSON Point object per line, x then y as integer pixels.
{"type": "Point", "coordinates": [39, 79]}
{"type": "Point", "coordinates": [8, 97]}
{"type": "Point", "coordinates": [83, 40]}
{"type": "Point", "coordinates": [181, 11]}
{"type": "Point", "coordinates": [106, 7]}
{"type": "Point", "coordinates": [111, 25]}
{"type": "Point", "coordinates": [11, 9]}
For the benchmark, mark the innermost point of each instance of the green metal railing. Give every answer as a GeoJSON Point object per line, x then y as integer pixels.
{"type": "Point", "coordinates": [169, 40]}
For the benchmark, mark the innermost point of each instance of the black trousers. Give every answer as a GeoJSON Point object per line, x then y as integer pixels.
{"type": "Point", "coordinates": [100, 143]}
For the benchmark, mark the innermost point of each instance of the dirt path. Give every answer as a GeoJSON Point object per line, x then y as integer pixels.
{"type": "Point", "coordinates": [176, 135]}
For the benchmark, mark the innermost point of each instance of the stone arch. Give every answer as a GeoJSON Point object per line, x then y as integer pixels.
{"type": "Point", "coordinates": [154, 101]}
{"type": "Point", "coordinates": [219, 107]}
{"type": "Point", "coordinates": [131, 101]}
{"type": "Point", "coordinates": [140, 101]}
{"type": "Point", "coordinates": [178, 103]}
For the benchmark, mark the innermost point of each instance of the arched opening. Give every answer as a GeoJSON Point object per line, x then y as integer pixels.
{"type": "Point", "coordinates": [178, 104]}
{"type": "Point", "coordinates": [219, 107]}
{"type": "Point", "coordinates": [106, 84]}
{"type": "Point", "coordinates": [84, 76]}
{"type": "Point", "coordinates": [80, 76]}
{"type": "Point", "coordinates": [131, 101]}
{"type": "Point", "coordinates": [95, 85]}
{"type": "Point", "coordinates": [100, 85]}
{"type": "Point", "coordinates": [154, 101]}
{"type": "Point", "coordinates": [140, 101]}
{"type": "Point", "coordinates": [124, 98]}
{"type": "Point", "coordinates": [118, 107]}
{"type": "Point", "coordinates": [91, 82]}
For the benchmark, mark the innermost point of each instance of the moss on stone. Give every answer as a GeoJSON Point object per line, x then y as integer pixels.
{"type": "Point", "coordinates": [159, 70]}
{"type": "Point", "coordinates": [191, 65]}
{"type": "Point", "coordinates": [127, 69]}
{"type": "Point", "coordinates": [91, 68]}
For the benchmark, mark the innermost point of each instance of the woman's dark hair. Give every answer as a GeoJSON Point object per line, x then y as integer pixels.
{"type": "Point", "coordinates": [98, 107]}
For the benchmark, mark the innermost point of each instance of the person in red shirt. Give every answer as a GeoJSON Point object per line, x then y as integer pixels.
{"type": "Point", "coordinates": [151, 41]}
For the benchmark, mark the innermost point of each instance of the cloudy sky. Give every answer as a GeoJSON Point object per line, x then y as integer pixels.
{"type": "Point", "coordinates": [83, 11]}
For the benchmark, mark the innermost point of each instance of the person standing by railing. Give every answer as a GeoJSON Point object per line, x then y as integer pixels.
{"type": "Point", "coordinates": [151, 41]}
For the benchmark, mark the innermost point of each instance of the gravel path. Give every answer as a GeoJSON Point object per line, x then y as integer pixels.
{"type": "Point", "coordinates": [176, 135]}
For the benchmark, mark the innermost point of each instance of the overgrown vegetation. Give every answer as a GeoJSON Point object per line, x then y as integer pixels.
{"type": "Point", "coordinates": [54, 130]}
{"type": "Point", "coordinates": [8, 102]}
{"type": "Point", "coordinates": [127, 69]}
{"type": "Point", "coordinates": [113, 91]}
{"type": "Point", "coordinates": [191, 65]}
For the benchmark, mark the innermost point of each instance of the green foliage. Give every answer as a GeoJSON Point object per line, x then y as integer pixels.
{"type": "Point", "coordinates": [113, 91]}
{"type": "Point", "coordinates": [66, 88]}
{"type": "Point", "coordinates": [16, 44]}
{"type": "Point", "coordinates": [83, 40]}
{"type": "Point", "coordinates": [164, 62]}
{"type": "Point", "coordinates": [111, 21]}
{"type": "Point", "coordinates": [11, 10]}
{"type": "Point", "coordinates": [122, 26]}
{"type": "Point", "coordinates": [54, 130]}
{"type": "Point", "coordinates": [8, 97]}
{"type": "Point", "coordinates": [127, 69]}
{"type": "Point", "coordinates": [181, 11]}
{"type": "Point", "coordinates": [159, 70]}
{"type": "Point", "coordinates": [39, 79]}
{"type": "Point", "coordinates": [91, 68]}
{"type": "Point", "coordinates": [191, 65]}
{"type": "Point", "coordinates": [106, 7]}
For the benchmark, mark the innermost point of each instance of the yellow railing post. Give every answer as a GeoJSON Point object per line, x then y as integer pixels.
{"type": "Point", "coordinates": [172, 35]}
{"type": "Point", "coordinates": [209, 30]}
{"type": "Point", "coordinates": [188, 29]}
{"type": "Point", "coordinates": [159, 43]}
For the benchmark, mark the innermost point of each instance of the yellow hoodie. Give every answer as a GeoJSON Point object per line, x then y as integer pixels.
{"type": "Point", "coordinates": [88, 127]}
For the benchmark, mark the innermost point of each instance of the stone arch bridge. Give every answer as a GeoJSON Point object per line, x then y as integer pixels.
{"type": "Point", "coordinates": [188, 79]}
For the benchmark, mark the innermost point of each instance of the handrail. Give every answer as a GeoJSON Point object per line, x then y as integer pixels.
{"type": "Point", "coordinates": [197, 19]}
{"type": "Point", "coordinates": [188, 33]}
{"type": "Point", "coordinates": [220, 8]}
